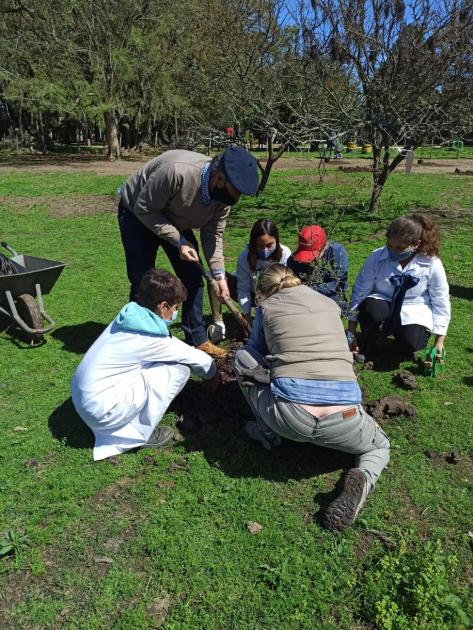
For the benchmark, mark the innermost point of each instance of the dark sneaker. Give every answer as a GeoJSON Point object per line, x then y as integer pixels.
{"type": "Point", "coordinates": [265, 439]}
{"type": "Point", "coordinates": [343, 510]}
{"type": "Point", "coordinates": [160, 437]}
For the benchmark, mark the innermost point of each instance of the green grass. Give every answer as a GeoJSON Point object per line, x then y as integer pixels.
{"type": "Point", "coordinates": [427, 153]}
{"type": "Point", "coordinates": [163, 535]}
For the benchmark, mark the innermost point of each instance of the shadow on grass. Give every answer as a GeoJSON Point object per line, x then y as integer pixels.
{"type": "Point", "coordinates": [214, 425]}
{"type": "Point", "coordinates": [464, 293]}
{"type": "Point", "coordinates": [17, 336]}
{"type": "Point", "coordinates": [65, 425]}
{"type": "Point", "coordinates": [388, 357]}
{"type": "Point", "coordinates": [468, 380]}
{"type": "Point", "coordinates": [80, 337]}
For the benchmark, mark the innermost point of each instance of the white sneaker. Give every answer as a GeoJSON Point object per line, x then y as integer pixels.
{"type": "Point", "coordinates": [216, 332]}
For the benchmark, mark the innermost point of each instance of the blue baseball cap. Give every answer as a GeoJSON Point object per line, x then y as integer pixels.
{"type": "Point", "coordinates": [241, 169]}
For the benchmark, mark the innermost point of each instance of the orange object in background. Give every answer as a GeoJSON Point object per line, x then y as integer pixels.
{"type": "Point", "coordinates": [230, 131]}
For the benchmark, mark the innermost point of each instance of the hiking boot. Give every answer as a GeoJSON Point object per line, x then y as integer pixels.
{"type": "Point", "coordinates": [343, 510]}
{"type": "Point", "coordinates": [267, 439]}
{"type": "Point", "coordinates": [216, 332]}
{"type": "Point", "coordinates": [160, 437]}
{"type": "Point", "coordinates": [213, 350]}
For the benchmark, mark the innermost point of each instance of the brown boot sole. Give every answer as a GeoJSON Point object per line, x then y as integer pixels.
{"type": "Point", "coordinates": [343, 510]}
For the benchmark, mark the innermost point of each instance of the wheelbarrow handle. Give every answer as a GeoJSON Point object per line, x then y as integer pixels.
{"type": "Point", "coordinates": [8, 248]}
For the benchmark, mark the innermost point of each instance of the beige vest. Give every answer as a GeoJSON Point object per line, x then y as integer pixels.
{"type": "Point", "coordinates": [305, 336]}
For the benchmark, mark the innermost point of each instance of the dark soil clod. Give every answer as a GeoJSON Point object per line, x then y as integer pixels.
{"type": "Point", "coordinates": [389, 407]}
{"type": "Point", "coordinates": [459, 172]}
{"type": "Point", "coordinates": [432, 454]}
{"type": "Point", "coordinates": [405, 379]}
{"type": "Point", "coordinates": [453, 458]}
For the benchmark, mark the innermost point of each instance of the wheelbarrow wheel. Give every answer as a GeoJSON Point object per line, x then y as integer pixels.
{"type": "Point", "coordinates": [29, 312]}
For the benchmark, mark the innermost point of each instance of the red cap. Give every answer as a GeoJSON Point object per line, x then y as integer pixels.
{"type": "Point", "coordinates": [312, 239]}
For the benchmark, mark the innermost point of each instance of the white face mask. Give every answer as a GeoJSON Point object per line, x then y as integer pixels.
{"type": "Point", "coordinates": [396, 256]}
{"type": "Point", "coordinates": [266, 252]}
{"type": "Point", "coordinates": [173, 317]}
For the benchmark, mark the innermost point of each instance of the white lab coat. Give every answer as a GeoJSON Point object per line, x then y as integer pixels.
{"type": "Point", "coordinates": [426, 304]}
{"type": "Point", "coordinates": [127, 380]}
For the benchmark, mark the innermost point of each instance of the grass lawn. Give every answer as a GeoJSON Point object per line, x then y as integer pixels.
{"type": "Point", "coordinates": [160, 538]}
{"type": "Point", "coordinates": [426, 153]}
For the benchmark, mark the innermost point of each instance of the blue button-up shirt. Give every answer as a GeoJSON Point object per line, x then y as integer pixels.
{"type": "Point", "coordinates": [426, 304]}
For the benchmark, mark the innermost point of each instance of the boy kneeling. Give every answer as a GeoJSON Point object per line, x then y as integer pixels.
{"type": "Point", "coordinates": [130, 375]}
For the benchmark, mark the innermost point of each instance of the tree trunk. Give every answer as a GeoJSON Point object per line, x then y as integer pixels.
{"type": "Point", "coordinates": [382, 169]}
{"type": "Point", "coordinates": [265, 173]}
{"type": "Point", "coordinates": [375, 195]}
{"type": "Point", "coordinates": [272, 158]}
{"type": "Point", "coordinates": [111, 131]}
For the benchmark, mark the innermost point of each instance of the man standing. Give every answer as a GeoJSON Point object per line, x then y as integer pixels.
{"type": "Point", "coordinates": [164, 201]}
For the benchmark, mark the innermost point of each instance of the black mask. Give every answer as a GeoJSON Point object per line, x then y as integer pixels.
{"type": "Point", "coordinates": [222, 195]}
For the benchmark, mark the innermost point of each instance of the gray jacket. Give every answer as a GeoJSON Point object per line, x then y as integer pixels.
{"type": "Point", "coordinates": [165, 194]}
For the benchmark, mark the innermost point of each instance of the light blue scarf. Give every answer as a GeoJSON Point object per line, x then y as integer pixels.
{"type": "Point", "coordinates": [138, 318]}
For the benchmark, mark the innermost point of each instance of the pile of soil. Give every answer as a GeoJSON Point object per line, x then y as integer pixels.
{"type": "Point", "coordinates": [405, 379]}
{"type": "Point", "coordinates": [200, 411]}
{"type": "Point", "coordinates": [389, 407]}
{"type": "Point", "coordinates": [451, 458]}
{"type": "Point", "coordinates": [459, 172]}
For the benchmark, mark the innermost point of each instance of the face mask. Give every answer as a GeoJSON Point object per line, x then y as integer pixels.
{"type": "Point", "coordinates": [266, 252]}
{"type": "Point", "coordinates": [173, 318]}
{"type": "Point", "coordinates": [222, 195]}
{"type": "Point", "coordinates": [398, 256]}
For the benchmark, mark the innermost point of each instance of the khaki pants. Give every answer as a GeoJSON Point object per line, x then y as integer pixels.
{"type": "Point", "coordinates": [215, 304]}
{"type": "Point", "coordinates": [357, 434]}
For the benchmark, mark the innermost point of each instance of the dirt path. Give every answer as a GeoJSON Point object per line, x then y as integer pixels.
{"type": "Point", "coordinates": [91, 164]}
{"type": "Point", "coordinates": [427, 166]}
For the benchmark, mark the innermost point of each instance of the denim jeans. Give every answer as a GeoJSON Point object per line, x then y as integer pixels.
{"type": "Point", "coordinates": [141, 246]}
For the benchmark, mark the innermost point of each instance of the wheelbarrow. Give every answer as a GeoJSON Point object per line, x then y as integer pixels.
{"type": "Point", "coordinates": [33, 278]}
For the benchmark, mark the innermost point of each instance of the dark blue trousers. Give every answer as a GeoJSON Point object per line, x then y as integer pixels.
{"type": "Point", "coordinates": [141, 247]}
{"type": "Point", "coordinates": [372, 313]}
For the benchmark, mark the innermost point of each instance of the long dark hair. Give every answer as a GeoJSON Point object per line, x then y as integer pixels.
{"type": "Point", "coordinates": [261, 228]}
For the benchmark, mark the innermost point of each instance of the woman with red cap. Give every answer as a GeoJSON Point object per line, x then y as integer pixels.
{"type": "Point", "coordinates": [321, 264]}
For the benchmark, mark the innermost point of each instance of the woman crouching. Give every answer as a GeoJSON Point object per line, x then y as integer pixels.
{"type": "Point", "coordinates": [296, 373]}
